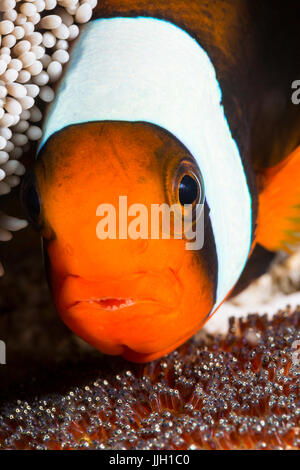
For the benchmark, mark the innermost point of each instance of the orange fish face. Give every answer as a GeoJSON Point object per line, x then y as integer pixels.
{"type": "Point", "coordinates": [141, 297]}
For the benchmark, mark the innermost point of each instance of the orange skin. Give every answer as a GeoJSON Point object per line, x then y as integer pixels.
{"type": "Point", "coordinates": [168, 291]}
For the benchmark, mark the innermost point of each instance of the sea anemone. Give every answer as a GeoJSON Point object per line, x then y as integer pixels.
{"type": "Point", "coordinates": [238, 391]}
{"type": "Point", "coordinates": [35, 36]}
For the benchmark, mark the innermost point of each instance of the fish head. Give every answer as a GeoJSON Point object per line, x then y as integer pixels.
{"type": "Point", "coordinates": [125, 283]}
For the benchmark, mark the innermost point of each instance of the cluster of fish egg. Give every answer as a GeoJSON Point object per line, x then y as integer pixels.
{"type": "Point", "coordinates": [240, 391]}
{"type": "Point", "coordinates": [34, 42]}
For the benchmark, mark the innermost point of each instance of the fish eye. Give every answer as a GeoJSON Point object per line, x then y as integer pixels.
{"type": "Point", "coordinates": [187, 185]}
{"type": "Point", "coordinates": [186, 193]}
{"type": "Point", "coordinates": [189, 189]}
{"type": "Point", "coordinates": [31, 200]}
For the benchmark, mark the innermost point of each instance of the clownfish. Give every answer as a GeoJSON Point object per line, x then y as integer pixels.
{"type": "Point", "coordinates": [166, 102]}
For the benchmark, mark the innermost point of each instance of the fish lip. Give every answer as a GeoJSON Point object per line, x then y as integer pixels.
{"type": "Point", "coordinates": [128, 302]}
{"type": "Point", "coordinates": [97, 292]}
{"type": "Point", "coordinates": [118, 303]}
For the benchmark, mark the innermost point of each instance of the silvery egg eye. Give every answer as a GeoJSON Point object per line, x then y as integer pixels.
{"type": "Point", "coordinates": [31, 200]}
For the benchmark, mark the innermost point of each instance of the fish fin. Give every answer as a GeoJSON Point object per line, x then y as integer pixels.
{"type": "Point", "coordinates": [278, 225]}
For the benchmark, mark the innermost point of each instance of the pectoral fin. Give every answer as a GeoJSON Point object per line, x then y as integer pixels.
{"type": "Point", "coordinates": [279, 205]}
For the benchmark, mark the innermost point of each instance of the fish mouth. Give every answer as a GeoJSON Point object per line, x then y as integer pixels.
{"type": "Point", "coordinates": [107, 303]}
{"type": "Point", "coordinates": [115, 294]}
{"type": "Point", "coordinates": [135, 316]}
